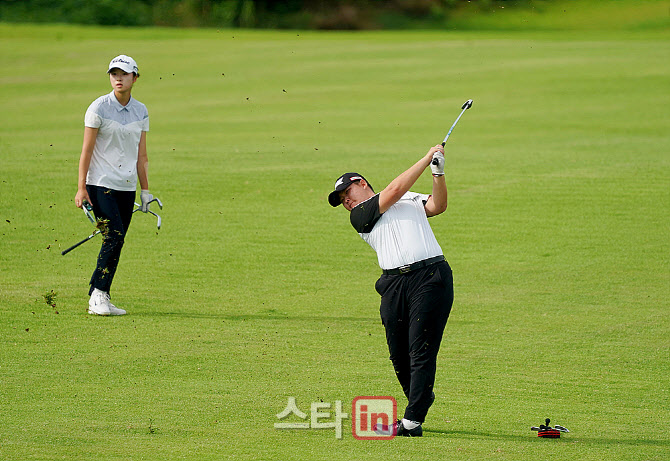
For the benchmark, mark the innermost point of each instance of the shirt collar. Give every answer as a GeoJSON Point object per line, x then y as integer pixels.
{"type": "Point", "coordinates": [117, 105]}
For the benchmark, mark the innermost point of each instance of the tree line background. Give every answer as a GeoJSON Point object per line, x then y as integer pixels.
{"type": "Point", "coordinates": [282, 14]}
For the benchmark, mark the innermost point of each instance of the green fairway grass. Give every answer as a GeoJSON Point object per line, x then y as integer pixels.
{"type": "Point", "coordinates": [576, 15]}
{"type": "Point", "coordinates": [256, 290]}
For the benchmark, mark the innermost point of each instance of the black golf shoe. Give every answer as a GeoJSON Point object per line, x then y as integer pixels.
{"type": "Point", "coordinates": [397, 429]}
{"type": "Point", "coordinates": [401, 431]}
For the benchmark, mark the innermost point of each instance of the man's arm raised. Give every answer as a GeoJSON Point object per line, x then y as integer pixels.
{"type": "Point", "coordinates": [400, 185]}
{"type": "Point", "coordinates": [437, 202]}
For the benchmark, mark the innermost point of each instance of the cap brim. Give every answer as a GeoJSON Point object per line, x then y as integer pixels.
{"type": "Point", "coordinates": [334, 198]}
{"type": "Point", "coordinates": [126, 70]}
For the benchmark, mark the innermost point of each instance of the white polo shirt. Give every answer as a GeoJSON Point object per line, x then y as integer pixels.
{"type": "Point", "coordinates": [401, 235]}
{"type": "Point", "coordinates": [114, 160]}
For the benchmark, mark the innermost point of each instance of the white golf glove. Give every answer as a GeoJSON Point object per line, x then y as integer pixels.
{"type": "Point", "coordinates": [145, 197]}
{"type": "Point", "coordinates": [438, 170]}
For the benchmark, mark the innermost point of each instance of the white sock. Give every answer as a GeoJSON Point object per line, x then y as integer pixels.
{"type": "Point", "coordinates": [409, 425]}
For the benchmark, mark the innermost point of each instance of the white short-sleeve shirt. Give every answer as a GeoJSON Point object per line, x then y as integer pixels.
{"type": "Point", "coordinates": [401, 235]}
{"type": "Point", "coordinates": [114, 160]}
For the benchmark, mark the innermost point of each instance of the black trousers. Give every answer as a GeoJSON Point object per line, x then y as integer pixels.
{"type": "Point", "coordinates": [113, 210]}
{"type": "Point", "coordinates": [414, 309]}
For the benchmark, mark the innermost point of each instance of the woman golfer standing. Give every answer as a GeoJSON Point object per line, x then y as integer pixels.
{"type": "Point", "coordinates": [113, 157]}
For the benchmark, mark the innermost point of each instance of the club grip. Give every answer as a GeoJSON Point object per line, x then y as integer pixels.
{"type": "Point", "coordinates": [435, 161]}
{"type": "Point", "coordinates": [64, 252]}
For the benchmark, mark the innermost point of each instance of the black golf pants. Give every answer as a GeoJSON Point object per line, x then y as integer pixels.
{"type": "Point", "coordinates": [113, 210]}
{"type": "Point", "coordinates": [414, 309]}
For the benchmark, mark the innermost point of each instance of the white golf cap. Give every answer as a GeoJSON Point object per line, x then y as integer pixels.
{"type": "Point", "coordinates": [125, 63]}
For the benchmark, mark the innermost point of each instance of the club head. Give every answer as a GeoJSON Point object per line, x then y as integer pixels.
{"type": "Point", "coordinates": [139, 208]}
{"type": "Point", "coordinates": [467, 104]}
{"type": "Point", "coordinates": [157, 200]}
{"type": "Point", "coordinates": [159, 218]}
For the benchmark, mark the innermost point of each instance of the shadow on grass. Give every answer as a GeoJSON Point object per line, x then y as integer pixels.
{"type": "Point", "coordinates": [477, 435]}
{"type": "Point", "coordinates": [245, 317]}
{"type": "Point", "coordinates": [534, 438]}
{"type": "Point", "coordinates": [269, 316]}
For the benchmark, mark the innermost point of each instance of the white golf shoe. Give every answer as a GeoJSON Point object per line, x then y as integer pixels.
{"type": "Point", "coordinates": [113, 310]}
{"type": "Point", "coordinates": [99, 303]}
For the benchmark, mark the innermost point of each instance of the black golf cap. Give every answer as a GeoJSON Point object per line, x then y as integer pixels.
{"type": "Point", "coordinates": [344, 181]}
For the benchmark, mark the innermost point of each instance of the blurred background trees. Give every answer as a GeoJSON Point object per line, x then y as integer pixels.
{"type": "Point", "coordinates": [281, 14]}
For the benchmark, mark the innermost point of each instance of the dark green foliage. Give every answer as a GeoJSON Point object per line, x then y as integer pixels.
{"type": "Point", "coordinates": [100, 12]}
{"type": "Point", "coordinates": [304, 14]}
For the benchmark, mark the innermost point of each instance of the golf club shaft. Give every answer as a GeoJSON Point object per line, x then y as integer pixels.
{"type": "Point", "coordinates": [452, 127]}
{"type": "Point", "coordinates": [466, 106]}
{"type": "Point", "coordinates": [64, 252]}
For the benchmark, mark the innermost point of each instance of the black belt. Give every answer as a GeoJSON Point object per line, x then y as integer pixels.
{"type": "Point", "coordinates": [414, 266]}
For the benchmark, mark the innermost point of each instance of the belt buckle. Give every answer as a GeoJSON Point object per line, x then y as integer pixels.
{"type": "Point", "coordinates": [404, 269]}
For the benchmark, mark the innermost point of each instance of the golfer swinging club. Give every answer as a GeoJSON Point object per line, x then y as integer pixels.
{"type": "Point", "coordinates": [113, 157]}
{"type": "Point", "coordinates": [416, 285]}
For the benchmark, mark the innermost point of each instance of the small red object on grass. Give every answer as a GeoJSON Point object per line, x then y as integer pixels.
{"type": "Point", "coordinates": [546, 431]}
